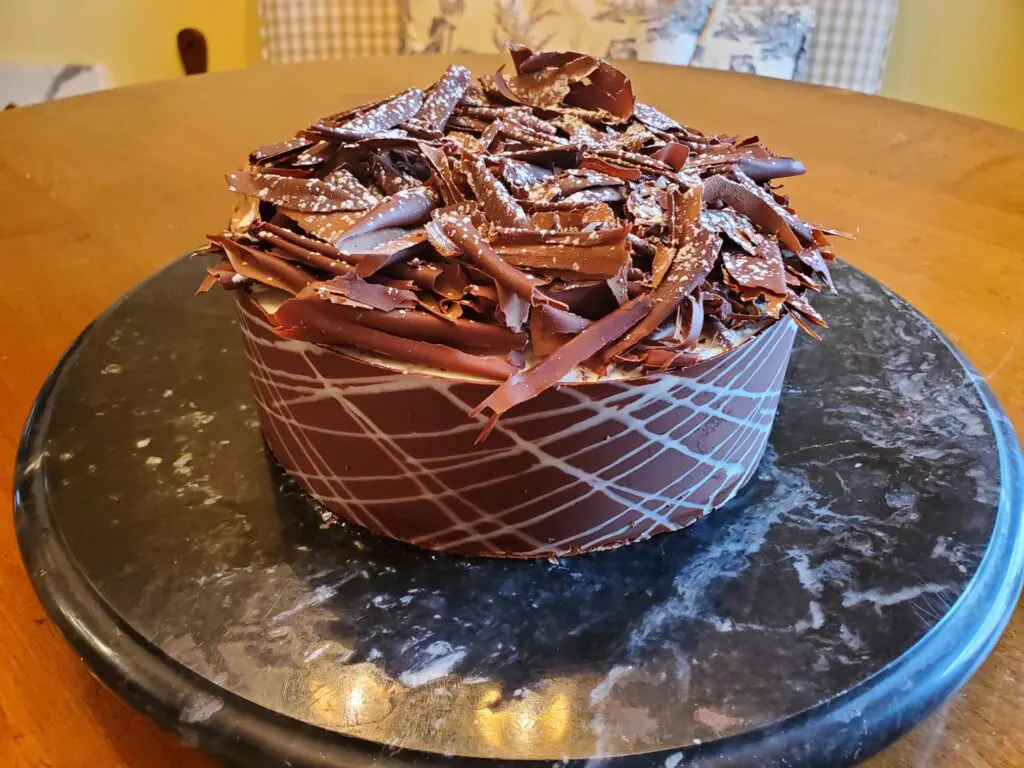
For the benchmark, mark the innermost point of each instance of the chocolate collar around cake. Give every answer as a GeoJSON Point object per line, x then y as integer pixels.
{"type": "Point", "coordinates": [522, 228]}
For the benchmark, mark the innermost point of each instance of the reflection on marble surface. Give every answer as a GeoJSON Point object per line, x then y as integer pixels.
{"type": "Point", "coordinates": [868, 517]}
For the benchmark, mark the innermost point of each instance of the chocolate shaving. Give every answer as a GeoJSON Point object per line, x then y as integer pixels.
{"type": "Point", "coordinates": [597, 253]}
{"type": "Point", "coordinates": [387, 253]}
{"type": "Point", "coordinates": [719, 190]}
{"type": "Point", "coordinates": [342, 193]}
{"type": "Point", "coordinates": [655, 119]}
{"type": "Point", "coordinates": [384, 116]}
{"type": "Point", "coordinates": [428, 225]}
{"type": "Point", "coordinates": [352, 290]}
{"type": "Point", "coordinates": [553, 368]}
{"type": "Point", "coordinates": [320, 322]}
{"type": "Point", "coordinates": [270, 152]}
{"type": "Point", "coordinates": [328, 227]}
{"type": "Point", "coordinates": [442, 97]}
{"type": "Point", "coordinates": [498, 205]}
{"type": "Point", "coordinates": [764, 270]}
{"type": "Point", "coordinates": [262, 267]}
{"type": "Point", "coordinates": [403, 209]}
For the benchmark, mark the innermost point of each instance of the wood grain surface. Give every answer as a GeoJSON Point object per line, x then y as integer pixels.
{"type": "Point", "coordinates": [98, 191]}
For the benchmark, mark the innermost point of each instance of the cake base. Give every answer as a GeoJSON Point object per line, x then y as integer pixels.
{"type": "Point", "coordinates": [859, 578]}
{"type": "Point", "coordinates": [579, 468]}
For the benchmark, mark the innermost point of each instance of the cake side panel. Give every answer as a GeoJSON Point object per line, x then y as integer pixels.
{"type": "Point", "coordinates": [574, 469]}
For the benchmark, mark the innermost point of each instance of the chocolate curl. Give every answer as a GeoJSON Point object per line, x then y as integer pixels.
{"type": "Point", "coordinates": [384, 116]}
{"type": "Point", "coordinates": [551, 328]}
{"type": "Point", "coordinates": [764, 271]}
{"type": "Point", "coordinates": [673, 154]}
{"type": "Point", "coordinates": [462, 333]}
{"type": "Point", "coordinates": [389, 252]}
{"type": "Point", "coordinates": [688, 331]}
{"type": "Point", "coordinates": [263, 267]}
{"type": "Point", "coordinates": [552, 369]}
{"type": "Point", "coordinates": [599, 253]}
{"type": "Point", "coordinates": [802, 231]}
{"type": "Point", "coordinates": [719, 190]}
{"type": "Point", "coordinates": [575, 217]}
{"type": "Point", "coordinates": [222, 272]}
{"type": "Point", "coordinates": [498, 205]}
{"type": "Point", "coordinates": [309, 243]}
{"type": "Point", "coordinates": [388, 177]}
{"type": "Point", "coordinates": [648, 205]}
{"type": "Point", "coordinates": [690, 266]}
{"type": "Point", "coordinates": [601, 165]}
{"type": "Point", "coordinates": [437, 161]}
{"type": "Point", "coordinates": [404, 209]}
{"type": "Point", "coordinates": [480, 253]}
{"type": "Point", "coordinates": [762, 170]}
{"type": "Point", "coordinates": [655, 119]}
{"type": "Point", "coordinates": [299, 252]}
{"type": "Point", "coordinates": [442, 97]}
{"type": "Point", "coordinates": [352, 289]}
{"type": "Point", "coordinates": [342, 193]}
{"type": "Point", "coordinates": [316, 321]}
{"type": "Point", "coordinates": [270, 152]}
{"type": "Point", "coordinates": [547, 84]}
{"type": "Point", "coordinates": [328, 227]}
{"type": "Point", "coordinates": [663, 255]}
{"type": "Point", "coordinates": [685, 210]}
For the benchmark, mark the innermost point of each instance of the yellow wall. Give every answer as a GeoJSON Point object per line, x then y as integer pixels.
{"type": "Point", "coordinates": [945, 53]}
{"type": "Point", "coordinates": [135, 39]}
{"type": "Point", "coordinates": [961, 55]}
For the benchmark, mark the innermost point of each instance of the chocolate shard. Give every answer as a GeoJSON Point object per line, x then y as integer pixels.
{"type": "Point", "coordinates": [553, 368]}
{"type": "Point", "coordinates": [498, 205]}
{"type": "Point", "coordinates": [655, 119]}
{"type": "Point", "coordinates": [270, 152]}
{"type": "Point", "coordinates": [328, 227]}
{"type": "Point", "coordinates": [384, 116]}
{"type": "Point", "coordinates": [598, 253]}
{"type": "Point", "coordinates": [319, 322]}
{"type": "Point", "coordinates": [479, 252]}
{"type": "Point", "coordinates": [342, 192]}
{"type": "Point", "coordinates": [352, 290]}
{"type": "Point", "coordinates": [762, 170]}
{"type": "Point", "coordinates": [403, 209]}
{"type": "Point", "coordinates": [764, 270]}
{"type": "Point", "coordinates": [722, 191]}
{"type": "Point", "coordinates": [440, 101]}
{"type": "Point", "coordinates": [691, 264]}
{"type": "Point", "coordinates": [603, 166]}
{"type": "Point", "coordinates": [262, 267]}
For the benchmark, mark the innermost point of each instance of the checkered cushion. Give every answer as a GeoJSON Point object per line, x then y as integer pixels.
{"type": "Point", "coordinates": [849, 43]}
{"type": "Point", "coordinates": [847, 47]}
{"type": "Point", "coordinates": [309, 30]}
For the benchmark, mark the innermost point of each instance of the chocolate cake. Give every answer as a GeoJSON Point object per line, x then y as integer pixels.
{"type": "Point", "coordinates": [523, 316]}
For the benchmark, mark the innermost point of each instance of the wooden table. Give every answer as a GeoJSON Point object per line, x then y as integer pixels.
{"type": "Point", "coordinates": [98, 191]}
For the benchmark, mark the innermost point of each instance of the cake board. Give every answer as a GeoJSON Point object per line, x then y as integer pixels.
{"type": "Point", "coordinates": [849, 589]}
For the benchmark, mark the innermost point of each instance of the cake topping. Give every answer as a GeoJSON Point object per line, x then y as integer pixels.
{"type": "Point", "coordinates": [534, 226]}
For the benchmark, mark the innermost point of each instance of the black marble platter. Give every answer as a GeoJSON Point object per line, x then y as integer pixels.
{"type": "Point", "coordinates": [855, 584]}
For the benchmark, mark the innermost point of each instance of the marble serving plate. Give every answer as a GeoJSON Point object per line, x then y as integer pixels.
{"type": "Point", "coordinates": [853, 585]}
